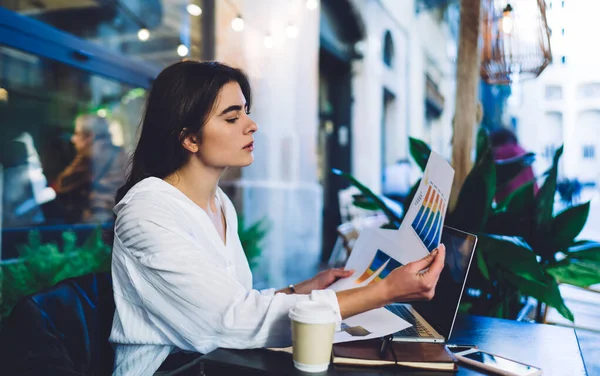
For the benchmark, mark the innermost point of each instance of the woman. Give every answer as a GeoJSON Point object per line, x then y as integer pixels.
{"type": "Point", "coordinates": [88, 183]}
{"type": "Point", "coordinates": [181, 280]}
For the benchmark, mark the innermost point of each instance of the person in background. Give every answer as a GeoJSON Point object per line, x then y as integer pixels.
{"type": "Point", "coordinates": [88, 184]}
{"type": "Point", "coordinates": [181, 279]}
{"type": "Point", "coordinates": [505, 145]}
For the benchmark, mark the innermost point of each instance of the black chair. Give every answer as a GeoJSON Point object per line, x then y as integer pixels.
{"type": "Point", "coordinates": [62, 330]}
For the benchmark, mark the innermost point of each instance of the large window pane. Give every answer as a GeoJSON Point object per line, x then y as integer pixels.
{"type": "Point", "coordinates": [116, 24]}
{"type": "Point", "coordinates": [56, 174]}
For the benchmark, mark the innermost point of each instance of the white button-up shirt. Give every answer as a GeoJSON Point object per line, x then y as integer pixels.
{"type": "Point", "coordinates": [178, 286]}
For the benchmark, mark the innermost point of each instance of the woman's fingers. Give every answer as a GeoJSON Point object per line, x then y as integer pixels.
{"type": "Point", "coordinates": [437, 265]}
{"type": "Point", "coordinates": [427, 261]}
{"type": "Point", "coordinates": [339, 272]}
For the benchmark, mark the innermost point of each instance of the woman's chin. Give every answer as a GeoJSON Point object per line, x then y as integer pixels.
{"type": "Point", "coordinates": [247, 161]}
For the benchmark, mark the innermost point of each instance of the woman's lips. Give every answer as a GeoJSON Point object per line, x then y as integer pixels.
{"type": "Point", "coordinates": [250, 146]}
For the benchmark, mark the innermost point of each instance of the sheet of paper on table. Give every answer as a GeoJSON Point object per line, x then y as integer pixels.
{"type": "Point", "coordinates": [378, 322]}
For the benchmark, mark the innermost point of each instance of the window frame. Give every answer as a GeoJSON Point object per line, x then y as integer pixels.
{"type": "Point", "coordinates": [37, 38]}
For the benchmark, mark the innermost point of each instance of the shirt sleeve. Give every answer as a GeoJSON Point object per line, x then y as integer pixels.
{"type": "Point", "coordinates": [189, 295]}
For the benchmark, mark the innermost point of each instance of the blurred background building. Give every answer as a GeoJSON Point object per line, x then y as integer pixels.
{"type": "Point", "coordinates": [562, 106]}
{"type": "Point", "coordinates": [337, 84]}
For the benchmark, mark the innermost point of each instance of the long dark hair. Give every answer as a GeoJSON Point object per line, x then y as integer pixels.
{"type": "Point", "coordinates": [178, 105]}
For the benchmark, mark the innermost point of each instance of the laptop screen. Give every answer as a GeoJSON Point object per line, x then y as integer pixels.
{"type": "Point", "coordinates": [441, 310]}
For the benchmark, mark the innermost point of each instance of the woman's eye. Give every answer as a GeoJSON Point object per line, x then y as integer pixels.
{"type": "Point", "coordinates": [231, 121]}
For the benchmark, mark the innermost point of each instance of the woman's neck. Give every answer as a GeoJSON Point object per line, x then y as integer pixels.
{"type": "Point", "coordinates": [198, 182]}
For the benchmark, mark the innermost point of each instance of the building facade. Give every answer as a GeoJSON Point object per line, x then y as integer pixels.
{"type": "Point", "coordinates": [562, 106]}
{"type": "Point", "coordinates": [336, 84]}
{"type": "Point", "coordinates": [346, 92]}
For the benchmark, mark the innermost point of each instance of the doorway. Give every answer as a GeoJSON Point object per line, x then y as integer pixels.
{"type": "Point", "coordinates": [335, 139]}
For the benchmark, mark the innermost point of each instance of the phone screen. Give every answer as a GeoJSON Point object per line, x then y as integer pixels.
{"type": "Point", "coordinates": [501, 363]}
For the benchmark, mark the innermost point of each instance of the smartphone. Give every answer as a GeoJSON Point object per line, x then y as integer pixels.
{"type": "Point", "coordinates": [460, 348]}
{"type": "Point", "coordinates": [496, 364]}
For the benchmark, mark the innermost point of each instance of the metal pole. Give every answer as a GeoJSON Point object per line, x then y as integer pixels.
{"type": "Point", "coordinates": [208, 29]}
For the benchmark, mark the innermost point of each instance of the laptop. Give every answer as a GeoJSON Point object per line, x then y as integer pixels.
{"type": "Point", "coordinates": [432, 321]}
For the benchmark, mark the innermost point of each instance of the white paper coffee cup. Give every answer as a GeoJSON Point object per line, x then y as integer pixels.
{"type": "Point", "coordinates": [313, 325]}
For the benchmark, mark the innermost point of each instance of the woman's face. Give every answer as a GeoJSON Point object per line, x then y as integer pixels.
{"type": "Point", "coordinates": [81, 139]}
{"type": "Point", "coordinates": [228, 135]}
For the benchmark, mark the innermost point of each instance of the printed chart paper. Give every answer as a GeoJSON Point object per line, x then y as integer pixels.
{"type": "Point", "coordinates": [424, 220]}
{"type": "Point", "coordinates": [377, 252]}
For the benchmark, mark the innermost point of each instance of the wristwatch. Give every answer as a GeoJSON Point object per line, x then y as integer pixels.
{"type": "Point", "coordinates": [292, 289]}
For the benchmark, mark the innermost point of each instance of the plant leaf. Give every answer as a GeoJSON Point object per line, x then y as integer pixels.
{"type": "Point", "coordinates": [590, 251]}
{"type": "Point", "coordinates": [365, 203]}
{"type": "Point", "coordinates": [544, 206]}
{"type": "Point", "coordinates": [483, 143]}
{"type": "Point", "coordinates": [568, 224]}
{"type": "Point", "coordinates": [546, 291]}
{"type": "Point", "coordinates": [251, 237]}
{"type": "Point", "coordinates": [508, 169]}
{"type": "Point", "coordinates": [482, 265]}
{"type": "Point", "coordinates": [476, 197]}
{"type": "Point", "coordinates": [368, 193]}
{"type": "Point", "coordinates": [520, 201]}
{"type": "Point", "coordinates": [578, 272]}
{"type": "Point", "coordinates": [509, 224]}
{"type": "Point", "coordinates": [520, 267]}
{"type": "Point", "coordinates": [420, 152]}
{"type": "Point", "coordinates": [513, 254]}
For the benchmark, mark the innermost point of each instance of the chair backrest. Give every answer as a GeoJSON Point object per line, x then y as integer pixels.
{"type": "Point", "coordinates": [348, 233]}
{"type": "Point", "coordinates": [63, 329]}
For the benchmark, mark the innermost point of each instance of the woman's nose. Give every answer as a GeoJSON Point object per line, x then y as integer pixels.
{"type": "Point", "coordinates": [252, 127]}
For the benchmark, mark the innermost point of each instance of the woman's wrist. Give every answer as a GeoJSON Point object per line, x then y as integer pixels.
{"type": "Point", "coordinates": [385, 293]}
{"type": "Point", "coordinates": [303, 288]}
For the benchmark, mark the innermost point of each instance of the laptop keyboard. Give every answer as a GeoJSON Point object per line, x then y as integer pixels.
{"type": "Point", "coordinates": [417, 329]}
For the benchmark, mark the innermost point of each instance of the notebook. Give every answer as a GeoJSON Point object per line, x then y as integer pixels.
{"type": "Point", "coordinates": [422, 355]}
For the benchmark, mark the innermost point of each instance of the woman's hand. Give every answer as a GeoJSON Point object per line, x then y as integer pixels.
{"type": "Point", "coordinates": [413, 281]}
{"type": "Point", "coordinates": [416, 280]}
{"type": "Point", "coordinates": [322, 280]}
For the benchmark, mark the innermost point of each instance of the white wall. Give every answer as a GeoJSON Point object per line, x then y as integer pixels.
{"type": "Point", "coordinates": [281, 184]}
{"type": "Point", "coordinates": [421, 47]}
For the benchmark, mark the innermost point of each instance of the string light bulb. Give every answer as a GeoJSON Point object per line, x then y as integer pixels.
{"type": "Point", "coordinates": [143, 34]}
{"type": "Point", "coordinates": [194, 10]}
{"type": "Point", "coordinates": [312, 4]}
{"type": "Point", "coordinates": [182, 50]}
{"type": "Point", "coordinates": [268, 41]}
{"type": "Point", "coordinates": [238, 23]}
{"type": "Point", "coordinates": [291, 31]}
{"type": "Point", "coordinates": [507, 21]}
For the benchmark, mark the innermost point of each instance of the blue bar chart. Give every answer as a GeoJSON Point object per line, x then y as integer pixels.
{"type": "Point", "coordinates": [428, 222]}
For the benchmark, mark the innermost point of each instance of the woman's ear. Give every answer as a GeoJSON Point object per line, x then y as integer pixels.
{"type": "Point", "coordinates": [191, 143]}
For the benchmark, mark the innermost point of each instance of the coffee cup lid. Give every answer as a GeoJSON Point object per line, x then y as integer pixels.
{"type": "Point", "coordinates": [313, 312]}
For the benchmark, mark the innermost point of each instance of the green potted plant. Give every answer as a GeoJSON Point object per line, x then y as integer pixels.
{"type": "Point", "coordinates": [42, 265]}
{"type": "Point", "coordinates": [252, 237]}
{"type": "Point", "coordinates": [524, 248]}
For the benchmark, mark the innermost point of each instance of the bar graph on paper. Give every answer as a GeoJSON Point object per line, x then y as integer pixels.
{"type": "Point", "coordinates": [382, 263]}
{"type": "Point", "coordinates": [429, 220]}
